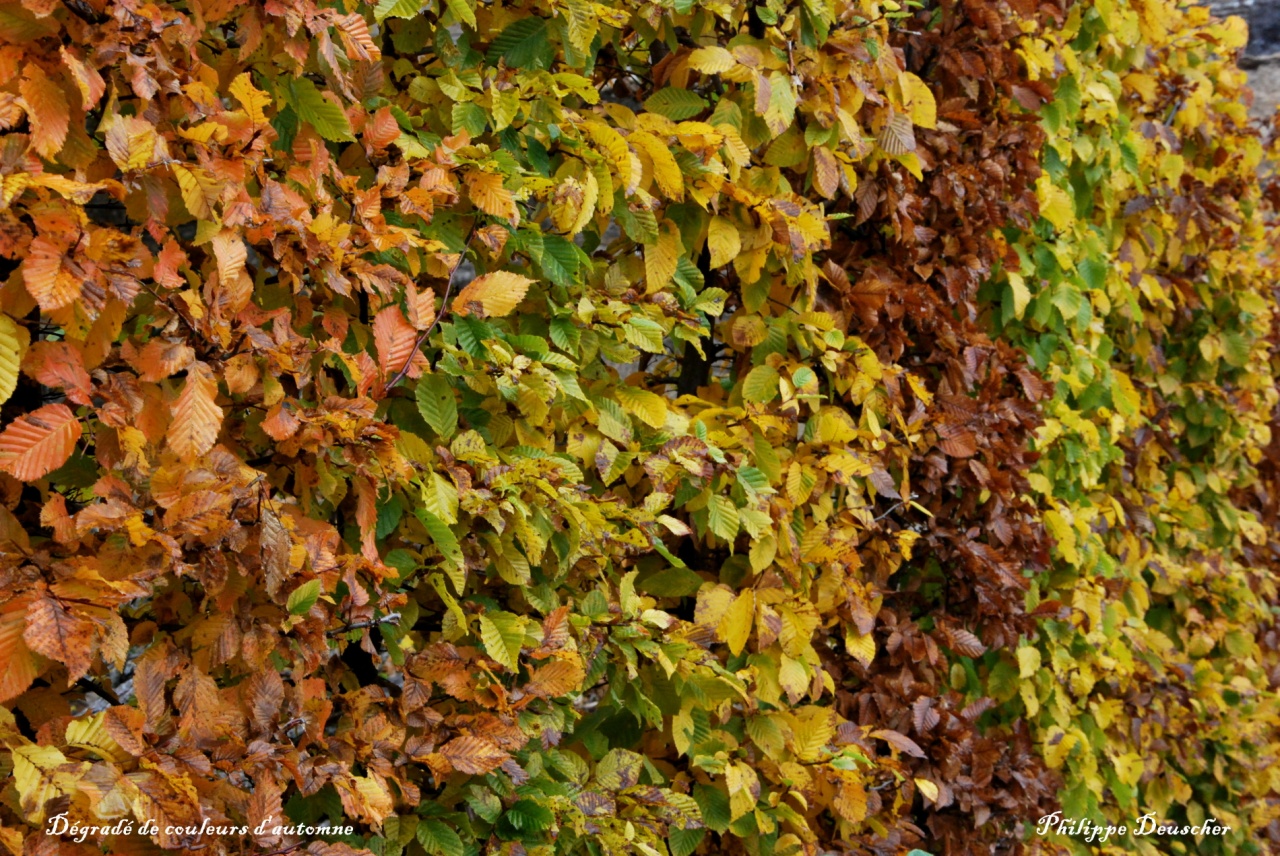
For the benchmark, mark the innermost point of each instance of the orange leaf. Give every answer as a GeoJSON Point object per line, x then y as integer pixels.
{"type": "Point", "coordinates": [36, 444]}
{"type": "Point", "coordinates": [158, 359]}
{"type": "Point", "coordinates": [197, 418]}
{"type": "Point", "coordinates": [17, 662]}
{"type": "Point", "coordinates": [47, 109]}
{"type": "Point", "coordinates": [473, 755]}
{"type": "Point", "coordinates": [394, 338]}
{"type": "Point", "coordinates": [50, 284]}
{"type": "Point", "coordinates": [382, 129]}
{"type": "Point", "coordinates": [557, 678]}
{"type": "Point", "coordinates": [59, 365]}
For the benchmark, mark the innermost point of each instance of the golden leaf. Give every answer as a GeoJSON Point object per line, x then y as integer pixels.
{"type": "Point", "coordinates": [492, 295]}
{"type": "Point", "coordinates": [197, 418]}
{"type": "Point", "coordinates": [488, 194]}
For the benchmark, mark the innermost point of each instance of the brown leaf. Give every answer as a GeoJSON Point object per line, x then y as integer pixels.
{"type": "Point", "coordinates": [52, 630]}
{"type": "Point", "coordinates": [898, 741]}
{"type": "Point", "coordinates": [473, 755]}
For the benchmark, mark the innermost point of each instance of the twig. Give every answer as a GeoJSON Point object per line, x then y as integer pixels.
{"type": "Point", "coordinates": [444, 304]}
{"type": "Point", "coordinates": [389, 618]}
{"type": "Point", "coordinates": [891, 510]}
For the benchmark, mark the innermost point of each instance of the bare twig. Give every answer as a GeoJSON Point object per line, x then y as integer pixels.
{"type": "Point", "coordinates": [444, 305]}
{"type": "Point", "coordinates": [891, 510]}
{"type": "Point", "coordinates": [389, 618]}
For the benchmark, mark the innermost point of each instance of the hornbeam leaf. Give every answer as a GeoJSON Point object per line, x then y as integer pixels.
{"type": "Point", "coordinates": [312, 107]}
{"type": "Point", "coordinates": [502, 634]}
{"type": "Point", "coordinates": [492, 295]}
{"type": "Point", "coordinates": [447, 543]}
{"type": "Point", "coordinates": [675, 103]}
{"type": "Point", "coordinates": [437, 404]}
{"type": "Point", "coordinates": [197, 418]}
{"type": "Point", "coordinates": [36, 444]}
{"type": "Point", "coordinates": [303, 597]}
{"type": "Point", "coordinates": [13, 345]}
{"type": "Point", "coordinates": [722, 517]}
{"type": "Point", "coordinates": [438, 839]}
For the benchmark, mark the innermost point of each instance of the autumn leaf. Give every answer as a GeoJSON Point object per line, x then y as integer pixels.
{"type": "Point", "coordinates": [197, 417]}
{"type": "Point", "coordinates": [46, 105]}
{"type": "Point", "coordinates": [53, 631]}
{"type": "Point", "coordinates": [473, 755]}
{"type": "Point", "coordinates": [36, 444]}
{"type": "Point", "coordinates": [491, 294]}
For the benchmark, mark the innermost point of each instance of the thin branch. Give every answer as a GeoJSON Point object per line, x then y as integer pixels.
{"type": "Point", "coordinates": [389, 618]}
{"type": "Point", "coordinates": [891, 510]}
{"type": "Point", "coordinates": [444, 305]}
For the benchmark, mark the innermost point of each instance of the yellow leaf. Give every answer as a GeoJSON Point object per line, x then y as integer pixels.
{"type": "Point", "coordinates": [735, 626]}
{"type": "Point", "coordinates": [861, 648]}
{"type": "Point", "coordinates": [14, 339]}
{"type": "Point", "coordinates": [920, 101]}
{"type": "Point", "coordinates": [666, 172]}
{"type": "Point", "coordinates": [661, 257]}
{"type": "Point", "coordinates": [1056, 205]}
{"type": "Point", "coordinates": [1028, 662]}
{"type": "Point", "coordinates": [1021, 296]}
{"type": "Point", "coordinates": [928, 788]}
{"type": "Point", "coordinates": [252, 99]}
{"type": "Point", "coordinates": [492, 295]}
{"type": "Point", "coordinates": [200, 190]}
{"type": "Point", "coordinates": [711, 60]}
{"type": "Point", "coordinates": [723, 241]}
{"type": "Point", "coordinates": [649, 407]}
{"type": "Point", "coordinates": [744, 788]}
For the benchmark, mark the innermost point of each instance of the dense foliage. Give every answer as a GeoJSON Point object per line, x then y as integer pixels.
{"type": "Point", "coordinates": [657, 428]}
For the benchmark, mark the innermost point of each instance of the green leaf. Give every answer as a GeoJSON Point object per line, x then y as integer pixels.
{"type": "Point", "coordinates": [502, 634]}
{"type": "Point", "coordinates": [682, 842]}
{"type": "Point", "coordinates": [760, 385]}
{"type": "Point", "coordinates": [524, 818]}
{"type": "Point", "coordinates": [644, 334]}
{"type": "Point", "coordinates": [389, 514]}
{"type": "Point", "coordinates": [722, 517]}
{"type": "Point", "coordinates": [396, 9]}
{"type": "Point", "coordinates": [524, 44]}
{"type": "Point", "coordinates": [437, 404]}
{"type": "Point", "coordinates": [673, 582]}
{"type": "Point", "coordinates": [675, 103]}
{"type": "Point", "coordinates": [438, 839]}
{"type": "Point", "coordinates": [303, 597]}
{"type": "Point", "coordinates": [464, 11]}
{"type": "Point", "coordinates": [447, 543]}
{"type": "Point", "coordinates": [312, 107]}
